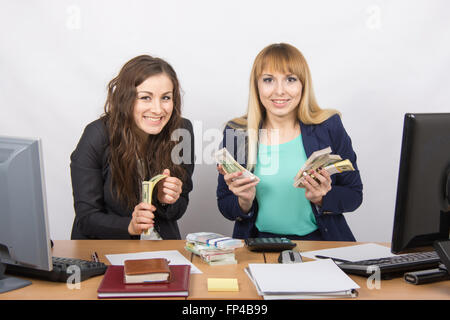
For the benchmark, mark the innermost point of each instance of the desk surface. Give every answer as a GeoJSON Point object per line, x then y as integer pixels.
{"type": "Point", "coordinates": [390, 289]}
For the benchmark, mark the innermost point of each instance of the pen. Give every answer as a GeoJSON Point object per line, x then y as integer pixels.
{"type": "Point", "coordinates": [334, 259]}
{"type": "Point", "coordinates": [95, 257]}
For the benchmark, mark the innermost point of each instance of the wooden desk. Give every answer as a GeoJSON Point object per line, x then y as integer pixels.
{"type": "Point", "coordinates": [394, 289]}
{"type": "Point", "coordinates": [83, 249]}
{"type": "Point", "coordinates": [199, 287]}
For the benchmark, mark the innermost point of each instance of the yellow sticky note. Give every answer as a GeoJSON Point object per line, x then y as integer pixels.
{"type": "Point", "coordinates": [222, 284]}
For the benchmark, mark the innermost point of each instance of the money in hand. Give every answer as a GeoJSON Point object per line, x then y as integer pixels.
{"type": "Point", "coordinates": [332, 163]}
{"type": "Point", "coordinates": [229, 165]}
{"type": "Point", "coordinates": [147, 190]}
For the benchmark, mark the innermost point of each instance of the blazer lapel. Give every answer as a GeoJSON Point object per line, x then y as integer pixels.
{"type": "Point", "coordinates": [310, 142]}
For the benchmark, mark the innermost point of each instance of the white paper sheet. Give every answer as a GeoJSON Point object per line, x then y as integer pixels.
{"type": "Point", "coordinates": [353, 253]}
{"type": "Point", "coordinates": [308, 278]}
{"type": "Point", "coordinates": [175, 258]}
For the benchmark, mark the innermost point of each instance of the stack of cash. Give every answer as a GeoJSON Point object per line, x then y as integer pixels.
{"type": "Point", "coordinates": [322, 159]}
{"type": "Point", "coordinates": [147, 190]}
{"type": "Point", "coordinates": [224, 158]}
{"type": "Point", "coordinates": [213, 248]}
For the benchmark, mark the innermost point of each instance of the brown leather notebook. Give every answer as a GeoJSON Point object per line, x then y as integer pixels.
{"type": "Point", "coordinates": [146, 270]}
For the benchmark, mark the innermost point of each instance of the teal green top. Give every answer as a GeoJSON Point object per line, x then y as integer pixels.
{"type": "Point", "coordinates": [282, 208]}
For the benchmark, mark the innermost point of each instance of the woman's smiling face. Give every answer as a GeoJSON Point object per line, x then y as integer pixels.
{"type": "Point", "coordinates": [154, 104]}
{"type": "Point", "coordinates": [280, 93]}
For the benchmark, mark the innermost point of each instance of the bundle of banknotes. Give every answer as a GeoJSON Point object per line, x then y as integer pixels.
{"type": "Point", "coordinates": [147, 190]}
{"type": "Point", "coordinates": [213, 248]}
{"type": "Point", "coordinates": [332, 163]}
{"type": "Point", "coordinates": [224, 158]}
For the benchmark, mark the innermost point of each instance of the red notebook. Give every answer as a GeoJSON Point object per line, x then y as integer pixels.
{"type": "Point", "coordinates": [113, 285]}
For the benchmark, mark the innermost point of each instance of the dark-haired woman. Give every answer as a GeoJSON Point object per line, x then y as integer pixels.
{"type": "Point", "coordinates": [133, 141]}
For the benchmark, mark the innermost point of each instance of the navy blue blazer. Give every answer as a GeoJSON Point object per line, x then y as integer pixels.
{"type": "Point", "coordinates": [344, 196]}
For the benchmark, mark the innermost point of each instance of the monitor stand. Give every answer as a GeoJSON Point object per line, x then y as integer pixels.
{"type": "Point", "coordinates": [8, 283]}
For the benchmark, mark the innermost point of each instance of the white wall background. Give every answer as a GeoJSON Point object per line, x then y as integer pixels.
{"type": "Point", "coordinates": [373, 60]}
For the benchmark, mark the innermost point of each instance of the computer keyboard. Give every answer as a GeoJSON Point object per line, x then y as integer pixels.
{"type": "Point", "coordinates": [391, 267]}
{"type": "Point", "coordinates": [62, 270]}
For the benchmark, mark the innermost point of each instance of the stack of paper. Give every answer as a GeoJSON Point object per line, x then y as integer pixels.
{"type": "Point", "coordinates": [307, 280]}
{"type": "Point", "coordinates": [213, 248]}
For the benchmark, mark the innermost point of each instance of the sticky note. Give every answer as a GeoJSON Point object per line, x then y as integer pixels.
{"type": "Point", "coordinates": [222, 284]}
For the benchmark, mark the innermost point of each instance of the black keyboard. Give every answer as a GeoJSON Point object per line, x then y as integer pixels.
{"type": "Point", "coordinates": [392, 267]}
{"type": "Point", "coordinates": [63, 268]}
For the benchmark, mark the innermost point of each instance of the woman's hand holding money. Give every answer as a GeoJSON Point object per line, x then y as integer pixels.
{"type": "Point", "coordinates": [243, 188]}
{"type": "Point", "coordinates": [142, 218]}
{"type": "Point", "coordinates": [169, 189]}
{"type": "Point", "coordinates": [317, 187]}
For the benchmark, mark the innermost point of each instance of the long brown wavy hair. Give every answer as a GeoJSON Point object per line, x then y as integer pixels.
{"type": "Point", "coordinates": [125, 149]}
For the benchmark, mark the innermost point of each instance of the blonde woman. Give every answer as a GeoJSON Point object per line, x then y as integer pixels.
{"type": "Point", "coordinates": [283, 126]}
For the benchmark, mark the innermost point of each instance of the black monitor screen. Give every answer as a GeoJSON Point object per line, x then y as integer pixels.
{"type": "Point", "coordinates": [422, 210]}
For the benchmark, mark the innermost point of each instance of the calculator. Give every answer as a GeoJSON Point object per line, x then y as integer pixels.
{"type": "Point", "coordinates": [269, 244]}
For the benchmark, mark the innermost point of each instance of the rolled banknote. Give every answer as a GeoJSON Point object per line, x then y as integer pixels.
{"type": "Point", "coordinates": [147, 190]}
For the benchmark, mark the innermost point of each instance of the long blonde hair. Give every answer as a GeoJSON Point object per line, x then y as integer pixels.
{"type": "Point", "coordinates": [285, 58]}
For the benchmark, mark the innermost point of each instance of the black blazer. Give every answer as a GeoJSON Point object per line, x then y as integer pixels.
{"type": "Point", "coordinates": [98, 214]}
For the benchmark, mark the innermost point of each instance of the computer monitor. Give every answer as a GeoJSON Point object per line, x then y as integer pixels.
{"type": "Point", "coordinates": [24, 232]}
{"type": "Point", "coordinates": [422, 210]}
